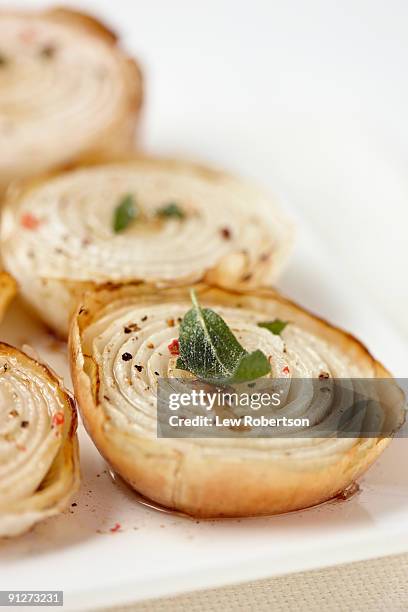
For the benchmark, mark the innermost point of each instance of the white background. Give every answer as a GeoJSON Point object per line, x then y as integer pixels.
{"type": "Point", "coordinates": [308, 97]}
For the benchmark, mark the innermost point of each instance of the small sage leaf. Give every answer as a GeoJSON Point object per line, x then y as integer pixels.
{"type": "Point", "coordinates": [124, 213]}
{"type": "Point", "coordinates": [171, 211]}
{"type": "Point", "coordinates": [209, 349]}
{"type": "Point", "coordinates": [276, 326]}
{"type": "Point", "coordinates": [251, 366]}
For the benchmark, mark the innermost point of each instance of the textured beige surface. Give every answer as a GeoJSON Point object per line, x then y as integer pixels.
{"type": "Point", "coordinates": [368, 586]}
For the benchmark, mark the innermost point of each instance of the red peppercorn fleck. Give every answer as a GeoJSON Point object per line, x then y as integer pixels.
{"type": "Point", "coordinates": [285, 370]}
{"type": "Point", "coordinates": [29, 221]}
{"type": "Point", "coordinates": [174, 347]}
{"type": "Point", "coordinates": [58, 419]}
{"type": "Point", "coordinates": [115, 528]}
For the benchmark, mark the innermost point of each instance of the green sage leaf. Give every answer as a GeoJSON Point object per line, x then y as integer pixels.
{"type": "Point", "coordinates": [209, 349]}
{"type": "Point", "coordinates": [276, 326]}
{"type": "Point", "coordinates": [124, 213]}
{"type": "Point", "coordinates": [171, 211]}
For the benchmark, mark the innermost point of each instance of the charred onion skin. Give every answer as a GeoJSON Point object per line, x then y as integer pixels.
{"type": "Point", "coordinates": [111, 135]}
{"type": "Point", "coordinates": [167, 253]}
{"type": "Point", "coordinates": [209, 481]}
{"type": "Point", "coordinates": [57, 483]}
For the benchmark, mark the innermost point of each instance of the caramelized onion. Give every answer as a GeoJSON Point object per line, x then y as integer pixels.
{"type": "Point", "coordinates": [67, 92]}
{"type": "Point", "coordinates": [59, 238]}
{"type": "Point", "coordinates": [39, 468]}
{"type": "Point", "coordinates": [120, 341]}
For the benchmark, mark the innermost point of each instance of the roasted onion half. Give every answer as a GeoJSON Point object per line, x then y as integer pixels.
{"type": "Point", "coordinates": [67, 92]}
{"type": "Point", "coordinates": [162, 221]}
{"type": "Point", "coordinates": [39, 466]}
{"type": "Point", "coordinates": [121, 345]}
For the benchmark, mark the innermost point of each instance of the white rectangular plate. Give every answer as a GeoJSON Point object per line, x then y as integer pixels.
{"type": "Point", "coordinates": [155, 554]}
